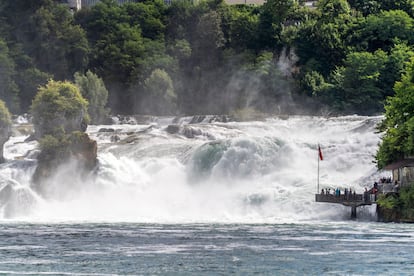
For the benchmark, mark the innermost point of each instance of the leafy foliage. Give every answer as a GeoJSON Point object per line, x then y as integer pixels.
{"type": "Point", "coordinates": [61, 46]}
{"type": "Point", "coordinates": [127, 43]}
{"type": "Point", "coordinates": [58, 108]}
{"type": "Point", "coordinates": [53, 148]}
{"type": "Point", "coordinates": [401, 203]}
{"type": "Point", "coordinates": [398, 125]}
{"type": "Point", "coordinates": [161, 97]}
{"type": "Point", "coordinates": [356, 84]}
{"type": "Point", "coordinates": [8, 87]}
{"type": "Point", "coordinates": [381, 31]}
{"type": "Point", "coordinates": [57, 149]}
{"type": "Point", "coordinates": [388, 202]}
{"type": "Point", "coordinates": [212, 52]}
{"type": "Point", "coordinates": [5, 116]}
{"type": "Point", "coordinates": [94, 91]}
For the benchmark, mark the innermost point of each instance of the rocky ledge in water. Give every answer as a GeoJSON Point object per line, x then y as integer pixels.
{"type": "Point", "coordinates": [60, 121]}
{"type": "Point", "coordinates": [148, 119]}
{"type": "Point", "coordinates": [77, 149]}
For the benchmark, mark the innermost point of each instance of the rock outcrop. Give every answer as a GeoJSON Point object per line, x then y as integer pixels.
{"type": "Point", "coordinates": [79, 148]}
{"type": "Point", "coordinates": [60, 121]}
{"type": "Point", "coordinates": [5, 127]}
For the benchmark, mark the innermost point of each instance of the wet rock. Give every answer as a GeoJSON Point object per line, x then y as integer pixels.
{"type": "Point", "coordinates": [130, 139]}
{"type": "Point", "coordinates": [115, 138]}
{"type": "Point", "coordinates": [78, 149]}
{"type": "Point", "coordinates": [173, 129]}
{"type": "Point", "coordinates": [197, 119]}
{"type": "Point", "coordinates": [106, 130]}
{"type": "Point", "coordinates": [191, 132]}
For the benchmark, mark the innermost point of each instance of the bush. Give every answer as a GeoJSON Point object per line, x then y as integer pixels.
{"type": "Point", "coordinates": [59, 108]}
{"type": "Point", "coordinates": [60, 147]}
{"type": "Point", "coordinates": [388, 202]}
{"type": "Point", "coordinates": [5, 116]}
{"type": "Point", "coordinates": [93, 89]}
{"type": "Point", "coordinates": [53, 148]}
{"type": "Point", "coordinates": [160, 98]}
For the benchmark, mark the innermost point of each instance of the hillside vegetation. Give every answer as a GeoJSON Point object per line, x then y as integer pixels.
{"type": "Point", "coordinates": [210, 57]}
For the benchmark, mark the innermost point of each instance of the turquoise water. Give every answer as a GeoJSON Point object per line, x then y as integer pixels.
{"type": "Point", "coordinates": [340, 248]}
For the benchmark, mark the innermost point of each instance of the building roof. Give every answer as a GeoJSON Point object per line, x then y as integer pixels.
{"type": "Point", "coordinates": [400, 164]}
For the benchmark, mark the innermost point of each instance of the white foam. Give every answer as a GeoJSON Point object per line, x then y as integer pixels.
{"type": "Point", "coordinates": [265, 172]}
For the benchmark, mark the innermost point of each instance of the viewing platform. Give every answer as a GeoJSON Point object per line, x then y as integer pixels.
{"type": "Point", "coordinates": [351, 200]}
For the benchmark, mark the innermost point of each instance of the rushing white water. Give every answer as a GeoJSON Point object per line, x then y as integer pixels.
{"type": "Point", "coordinates": [249, 172]}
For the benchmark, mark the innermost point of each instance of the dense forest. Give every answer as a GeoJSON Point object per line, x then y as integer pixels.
{"type": "Point", "coordinates": [194, 57]}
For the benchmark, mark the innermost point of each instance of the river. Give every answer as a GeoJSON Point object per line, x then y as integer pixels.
{"type": "Point", "coordinates": [198, 195]}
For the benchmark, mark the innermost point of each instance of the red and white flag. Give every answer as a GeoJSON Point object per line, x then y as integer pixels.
{"type": "Point", "coordinates": [320, 153]}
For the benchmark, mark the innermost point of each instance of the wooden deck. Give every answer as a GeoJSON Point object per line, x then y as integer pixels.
{"type": "Point", "coordinates": [352, 201]}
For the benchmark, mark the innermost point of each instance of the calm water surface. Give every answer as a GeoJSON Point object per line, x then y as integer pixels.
{"type": "Point", "coordinates": [345, 248]}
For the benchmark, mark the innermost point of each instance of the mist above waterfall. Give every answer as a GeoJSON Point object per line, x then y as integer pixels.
{"type": "Point", "coordinates": [251, 172]}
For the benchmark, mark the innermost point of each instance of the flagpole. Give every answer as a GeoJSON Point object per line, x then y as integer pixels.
{"type": "Point", "coordinates": [317, 191]}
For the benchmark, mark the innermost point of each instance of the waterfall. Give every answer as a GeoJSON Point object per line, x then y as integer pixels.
{"type": "Point", "coordinates": [204, 171]}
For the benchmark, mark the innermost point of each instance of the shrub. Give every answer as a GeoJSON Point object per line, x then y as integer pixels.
{"type": "Point", "coordinates": [93, 89]}
{"type": "Point", "coordinates": [5, 116]}
{"type": "Point", "coordinates": [59, 108]}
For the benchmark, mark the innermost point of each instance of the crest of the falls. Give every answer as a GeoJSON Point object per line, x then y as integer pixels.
{"type": "Point", "coordinates": [205, 170]}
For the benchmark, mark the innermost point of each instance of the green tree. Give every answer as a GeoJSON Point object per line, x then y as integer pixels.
{"type": "Point", "coordinates": [16, 25]}
{"type": "Point", "coordinates": [59, 118]}
{"type": "Point", "coordinates": [321, 41]}
{"type": "Point", "coordinates": [313, 83]}
{"type": "Point", "coordinates": [383, 30]}
{"type": "Point", "coordinates": [8, 88]}
{"type": "Point", "coordinates": [28, 80]}
{"type": "Point", "coordinates": [94, 91]}
{"type": "Point", "coordinates": [59, 108]}
{"type": "Point", "coordinates": [375, 6]}
{"type": "Point", "coordinates": [181, 49]}
{"type": "Point", "coordinates": [394, 67]}
{"type": "Point", "coordinates": [160, 98]}
{"type": "Point", "coordinates": [334, 10]}
{"type": "Point", "coordinates": [244, 29]}
{"type": "Point", "coordinates": [5, 127]}
{"type": "Point", "coordinates": [5, 116]}
{"type": "Point", "coordinates": [398, 125]}
{"type": "Point", "coordinates": [149, 15]}
{"type": "Point", "coordinates": [127, 42]}
{"type": "Point", "coordinates": [273, 16]}
{"type": "Point", "coordinates": [57, 45]}
{"type": "Point", "coordinates": [358, 88]}
{"type": "Point", "coordinates": [365, 7]}
{"type": "Point", "coordinates": [181, 19]}
{"type": "Point", "coordinates": [321, 45]}
{"type": "Point", "coordinates": [404, 5]}
{"type": "Point", "coordinates": [209, 39]}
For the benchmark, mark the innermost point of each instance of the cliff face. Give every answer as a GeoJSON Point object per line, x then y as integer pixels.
{"type": "Point", "coordinates": [59, 119]}
{"type": "Point", "coordinates": [70, 145]}
{"type": "Point", "coordinates": [78, 149]}
{"type": "Point", "coordinates": [395, 215]}
{"type": "Point", "coordinates": [73, 145]}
